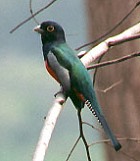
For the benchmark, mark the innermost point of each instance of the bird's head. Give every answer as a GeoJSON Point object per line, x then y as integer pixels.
{"type": "Point", "coordinates": [50, 32]}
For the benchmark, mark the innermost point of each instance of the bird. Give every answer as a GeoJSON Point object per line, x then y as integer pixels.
{"type": "Point", "coordinates": [66, 68]}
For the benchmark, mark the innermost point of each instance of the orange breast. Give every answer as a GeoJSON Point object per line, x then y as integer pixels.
{"type": "Point", "coordinates": [51, 72]}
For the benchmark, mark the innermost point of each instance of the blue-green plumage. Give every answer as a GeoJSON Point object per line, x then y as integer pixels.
{"type": "Point", "coordinates": [75, 80]}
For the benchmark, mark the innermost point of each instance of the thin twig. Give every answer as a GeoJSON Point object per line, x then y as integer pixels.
{"type": "Point", "coordinates": [29, 18]}
{"type": "Point", "coordinates": [110, 87]}
{"type": "Point", "coordinates": [31, 11]}
{"type": "Point", "coordinates": [96, 70]}
{"type": "Point", "coordinates": [137, 140]}
{"type": "Point", "coordinates": [115, 61]}
{"type": "Point", "coordinates": [82, 134]}
{"type": "Point", "coordinates": [74, 146]}
{"type": "Point", "coordinates": [93, 127]}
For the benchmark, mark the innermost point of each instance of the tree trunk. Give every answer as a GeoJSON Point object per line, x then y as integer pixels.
{"type": "Point", "coordinates": [121, 104]}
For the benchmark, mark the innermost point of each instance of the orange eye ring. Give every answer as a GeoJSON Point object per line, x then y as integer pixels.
{"type": "Point", "coordinates": [50, 28]}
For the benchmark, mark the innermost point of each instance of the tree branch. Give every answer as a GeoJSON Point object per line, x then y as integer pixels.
{"type": "Point", "coordinates": [48, 128]}
{"type": "Point", "coordinates": [128, 35]}
{"type": "Point", "coordinates": [115, 61]}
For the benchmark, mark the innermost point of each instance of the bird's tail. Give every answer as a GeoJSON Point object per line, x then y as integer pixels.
{"type": "Point", "coordinates": [105, 126]}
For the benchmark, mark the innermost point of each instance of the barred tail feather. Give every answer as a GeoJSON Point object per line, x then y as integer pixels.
{"type": "Point", "coordinates": [105, 126]}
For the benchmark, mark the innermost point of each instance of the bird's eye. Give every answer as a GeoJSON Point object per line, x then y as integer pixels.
{"type": "Point", "coordinates": [50, 28]}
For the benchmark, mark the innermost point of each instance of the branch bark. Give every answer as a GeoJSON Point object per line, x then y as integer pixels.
{"type": "Point", "coordinates": [128, 35]}
{"type": "Point", "coordinates": [49, 124]}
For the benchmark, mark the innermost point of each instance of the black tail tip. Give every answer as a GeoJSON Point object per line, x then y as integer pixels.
{"type": "Point", "coordinates": [117, 147]}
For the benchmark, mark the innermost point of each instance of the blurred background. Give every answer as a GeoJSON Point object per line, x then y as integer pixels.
{"type": "Point", "coordinates": [27, 91]}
